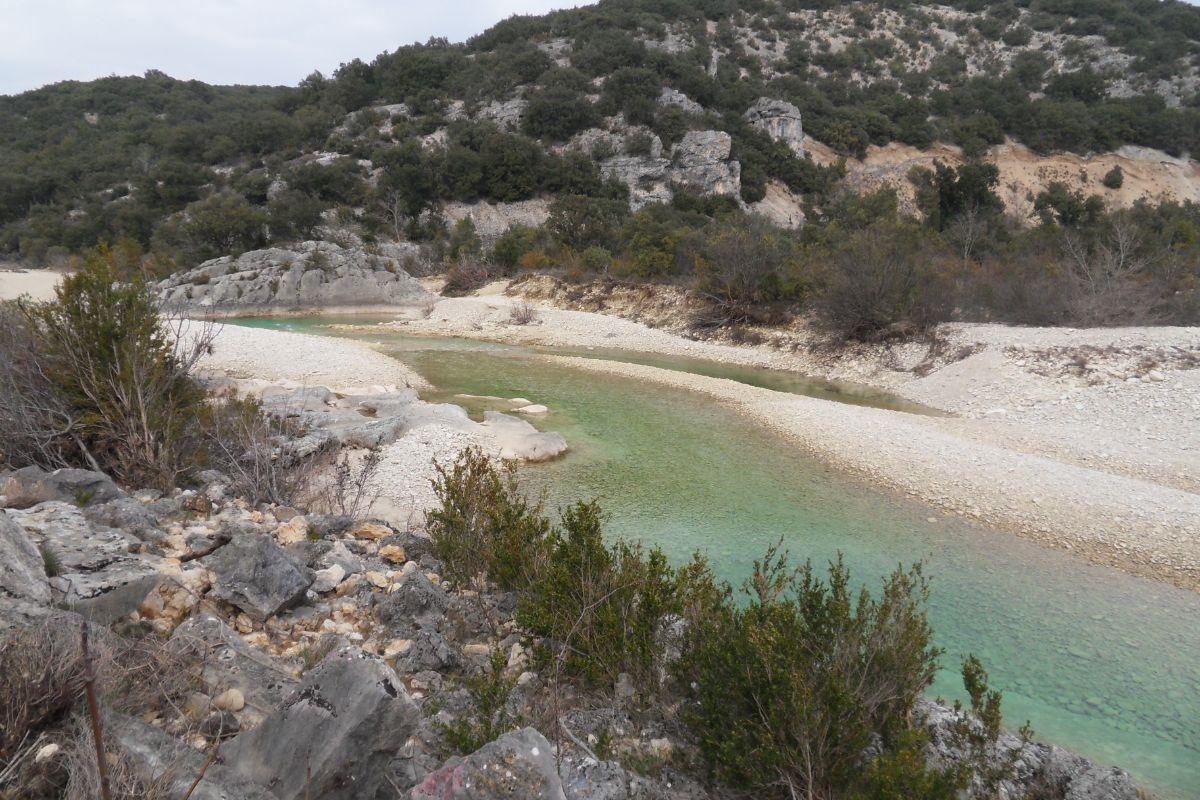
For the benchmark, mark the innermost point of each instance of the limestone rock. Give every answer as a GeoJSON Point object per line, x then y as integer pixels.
{"type": "Point", "coordinates": [506, 114]}
{"type": "Point", "coordinates": [100, 575]}
{"type": "Point", "coordinates": [258, 576]}
{"type": "Point", "coordinates": [307, 275]}
{"type": "Point", "coordinates": [29, 486]}
{"type": "Point", "coordinates": [230, 663]}
{"type": "Point", "coordinates": [22, 574]}
{"type": "Point", "coordinates": [780, 120]}
{"type": "Point", "coordinates": [701, 163]}
{"type": "Point", "coordinates": [328, 579]}
{"type": "Point", "coordinates": [674, 97]}
{"type": "Point", "coordinates": [341, 726]}
{"type": "Point", "coordinates": [517, 766]}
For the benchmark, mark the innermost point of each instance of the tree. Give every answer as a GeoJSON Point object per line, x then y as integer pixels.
{"type": "Point", "coordinates": [581, 222]}
{"type": "Point", "coordinates": [945, 192]}
{"type": "Point", "coordinates": [219, 225]}
{"type": "Point", "coordinates": [633, 92]}
{"type": "Point", "coordinates": [294, 215]}
{"type": "Point", "coordinates": [556, 113]}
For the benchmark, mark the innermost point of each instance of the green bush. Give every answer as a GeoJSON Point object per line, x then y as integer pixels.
{"type": "Point", "coordinates": [1114, 178]}
{"type": "Point", "coordinates": [119, 388]}
{"type": "Point", "coordinates": [786, 691]}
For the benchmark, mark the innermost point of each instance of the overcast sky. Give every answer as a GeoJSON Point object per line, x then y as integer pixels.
{"type": "Point", "coordinates": [224, 41]}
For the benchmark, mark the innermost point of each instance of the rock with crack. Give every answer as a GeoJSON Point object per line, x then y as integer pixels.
{"type": "Point", "coordinates": [332, 737]}
{"type": "Point", "coordinates": [30, 486]}
{"type": "Point", "coordinates": [22, 572]}
{"type": "Point", "coordinates": [701, 162]}
{"type": "Point", "coordinates": [230, 663]}
{"type": "Point", "coordinates": [517, 766]}
{"type": "Point", "coordinates": [415, 604]}
{"type": "Point", "coordinates": [258, 576]}
{"type": "Point", "coordinates": [97, 570]}
{"type": "Point", "coordinates": [158, 757]}
{"type": "Point", "coordinates": [780, 120]}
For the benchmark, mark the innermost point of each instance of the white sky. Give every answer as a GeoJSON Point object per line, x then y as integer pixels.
{"type": "Point", "coordinates": [225, 41]}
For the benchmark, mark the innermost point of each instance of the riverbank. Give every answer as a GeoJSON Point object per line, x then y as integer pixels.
{"type": "Point", "coordinates": [1084, 440]}
{"type": "Point", "coordinates": [36, 284]}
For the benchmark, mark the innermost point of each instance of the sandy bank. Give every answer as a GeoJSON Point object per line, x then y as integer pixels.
{"type": "Point", "coordinates": [302, 360]}
{"type": "Point", "coordinates": [38, 284]}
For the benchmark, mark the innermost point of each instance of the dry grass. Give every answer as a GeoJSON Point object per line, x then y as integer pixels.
{"type": "Point", "coordinates": [522, 314]}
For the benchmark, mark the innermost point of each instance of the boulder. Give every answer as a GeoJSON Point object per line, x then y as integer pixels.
{"type": "Point", "coordinates": [516, 438]}
{"type": "Point", "coordinates": [128, 514]}
{"type": "Point", "coordinates": [517, 766]}
{"type": "Point", "coordinates": [307, 275]}
{"type": "Point", "coordinates": [159, 757]}
{"type": "Point", "coordinates": [22, 574]}
{"type": "Point", "coordinates": [258, 576]}
{"type": "Point", "coordinates": [780, 120]}
{"type": "Point", "coordinates": [416, 604]}
{"type": "Point", "coordinates": [333, 736]}
{"type": "Point", "coordinates": [701, 162]}
{"type": "Point", "coordinates": [98, 572]}
{"type": "Point", "coordinates": [30, 486]}
{"type": "Point", "coordinates": [231, 664]}
{"type": "Point", "coordinates": [506, 114]}
{"type": "Point", "coordinates": [674, 97]}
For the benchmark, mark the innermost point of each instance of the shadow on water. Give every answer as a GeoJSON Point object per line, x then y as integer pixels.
{"type": "Point", "coordinates": [1099, 661]}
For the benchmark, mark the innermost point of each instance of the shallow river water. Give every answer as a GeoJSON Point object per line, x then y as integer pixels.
{"type": "Point", "coordinates": [1099, 661]}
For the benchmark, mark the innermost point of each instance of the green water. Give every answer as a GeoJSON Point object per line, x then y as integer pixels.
{"type": "Point", "coordinates": [1099, 661]}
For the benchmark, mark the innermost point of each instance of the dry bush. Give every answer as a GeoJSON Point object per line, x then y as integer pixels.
{"type": "Point", "coordinates": [351, 491]}
{"type": "Point", "coordinates": [522, 314]}
{"type": "Point", "coordinates": [464, 278]}
{"type": "Point", "coordinates": [41, 677]}
{"type": "Point", "coordinates": [259, 452]}
{"type": "Point", "coordinates": [125, 781]}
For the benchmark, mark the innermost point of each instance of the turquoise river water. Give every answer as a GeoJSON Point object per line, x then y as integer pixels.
{"type": "Point", "coordinates": [1098, 661]}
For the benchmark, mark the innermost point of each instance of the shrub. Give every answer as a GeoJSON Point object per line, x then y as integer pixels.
{"type": "Point", "coordinates": [484, 525]}
{"type": "Point", "coordinates": [557, 113]}
{"type": "Point", "coordinates": [490, 717]}
{"type": "Point", "coordinates": [885, 280]}
{"type": "Point", "coordinates": [464, 277]}
{"type": "Point", "coordinates": [117, 393]}
{"type": "Point", "coordinates": [1114, 178]}
{"type": "Point", "coordinates": [786, 692]}
{"type": "Point", "coordinates": [597, 259]}
{"type": "Point", "coordinates": [514, 243]}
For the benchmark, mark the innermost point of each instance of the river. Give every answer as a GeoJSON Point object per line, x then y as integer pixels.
{"type": "Point", "coordinates": [1099, 661]}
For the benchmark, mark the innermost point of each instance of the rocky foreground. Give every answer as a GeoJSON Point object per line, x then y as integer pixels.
{"type": "Point", "coordinates": [314, 655]}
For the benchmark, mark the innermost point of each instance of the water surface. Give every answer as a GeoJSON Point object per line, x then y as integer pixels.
{"type": "Point", "coordinates": [1099, 661]}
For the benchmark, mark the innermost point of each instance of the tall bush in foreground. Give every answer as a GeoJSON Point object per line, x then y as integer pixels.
{"type": "Point", "coordinates": [788, 691]}
{"type": "Point", "coordinates": [113, 376]}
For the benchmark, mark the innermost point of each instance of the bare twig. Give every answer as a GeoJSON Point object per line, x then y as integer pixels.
{"type": "Point", "coordinates": [89, 682]}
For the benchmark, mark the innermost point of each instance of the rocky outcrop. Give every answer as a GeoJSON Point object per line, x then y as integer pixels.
{"type": "Point", "coordinates": [780, 120]}
{"type": "Point", "coordinates": [310, 275]}
{"type": "Point", "coordinates": [493, 219]}
{"type": "Point", "coordinates": [517, 766]}
{"type": "Point", "coordinates": [674, 97]}
{"type": "Point", "coordinates": [701, 163]}
{"type": "Point", "coordinates": [258, 576]}
{"type": "Point", "coordinates": [334, 734]}
{"type": "Point", "coordinates": [98, 571]}
{"type": "Point", "coordinates": [506, 114]}
{"type": "Point", "coordinates": [22, 574]}
{"type": "Point", "coordinates": [29, 486]}
{"type": "Point", "coordinates": [648, 178]}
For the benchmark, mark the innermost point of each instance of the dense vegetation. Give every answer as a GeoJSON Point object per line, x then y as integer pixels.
{"type": "Point", "coordinates": [781, 688]}
{"type": "Point", "coordinates": [188, 170]}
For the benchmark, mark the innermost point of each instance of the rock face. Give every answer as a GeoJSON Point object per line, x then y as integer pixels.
{"type": "Point", "coordinates": [505, 114]}
{"type": "Point", "coordinates": [701, 163]}
{"type": "Point", "coordinates": [648, 179]}
{"type": "Point", "coordinates": [21, 572]}
{"type": "Point", "coordinates": [781, 121]}
{"type": "Point", "coordinates": [258, 576]}
{"type": "Point", "coordinates": [517, 766]}
{"type": "Point", "coordinates": [98, 573]}
{"type": "Point", "coordinates": [674, 97]}
{"type": "Point", "coordinates": [29, 486]}
{"type": "Point", "coordinates": [340, 726]}
{"type": "Point", "coordinates": [308, 275]}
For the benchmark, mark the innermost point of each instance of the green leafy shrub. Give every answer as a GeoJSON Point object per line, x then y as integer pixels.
{"type": "Point", "coordinates": [489, 717]}
{"type": "Point", "coordinates": [786, 692]}
{"type": "Point", "coordinates": [1114, 178]}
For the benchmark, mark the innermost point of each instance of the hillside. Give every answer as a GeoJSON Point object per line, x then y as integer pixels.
{"type": "Point", "coordinates": [1059, 109]}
